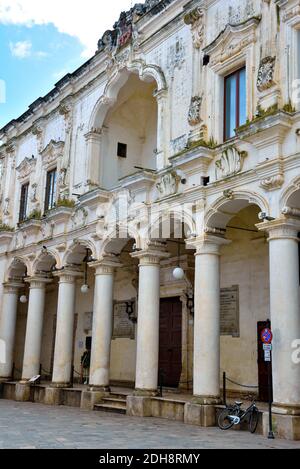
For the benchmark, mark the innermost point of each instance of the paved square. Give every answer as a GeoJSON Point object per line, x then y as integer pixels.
{"type": "Point", "coordinates": [26, 425]}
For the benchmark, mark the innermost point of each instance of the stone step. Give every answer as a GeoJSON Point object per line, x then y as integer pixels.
{"type": "Point", "coordinates": [117, 409]}
{"type": "Point", "coordinates": [113, 400]}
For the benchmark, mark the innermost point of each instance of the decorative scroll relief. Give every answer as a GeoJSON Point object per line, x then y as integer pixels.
{"type": "Point", "coordinates": [78, 218]}
{"type": "Point", "coordinates": [196, 20]}
{"type": "Point", "coordinates": [26, 167]}
{"type": "Point", "coordinates": [231, 163]}
{"type": "Point", "coordinates": [266, 72]}
{"type": "Point", "coordinates": [272, 183]}
{"type": "Point", "coordinates": [232, 41]}
{"type": "Point", "coordinates": [52, 152]}
{"type": "Point", "coordinates": [168, 184]}
{"type": "Point", "coordinates": [194, 111]}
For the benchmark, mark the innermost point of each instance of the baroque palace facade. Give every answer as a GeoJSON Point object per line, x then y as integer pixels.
{"type": "Point", "coordinates": [150, 211]}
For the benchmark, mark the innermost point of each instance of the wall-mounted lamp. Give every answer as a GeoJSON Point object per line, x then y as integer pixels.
{"type": "Point", "coordinates": [23, 299]}
{"type": "Point", "coordinates": [85, 287]}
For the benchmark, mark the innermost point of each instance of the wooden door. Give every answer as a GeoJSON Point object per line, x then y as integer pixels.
{"type": "Point", "coordinates": [170, 341]}
{"type": "Point", "coordinates": [262, 365]}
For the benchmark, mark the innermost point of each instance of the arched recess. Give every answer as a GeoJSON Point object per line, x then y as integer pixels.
{"type": "Point", "coordinates": [77, 252]}
{"type": "Point", "coordinates": [224, 209]}
{"type": "Point", "coordinates": [126, 128]}
{"type": "Point", "coordinates": [46, 261]}
{"type": "Point", "coordinates": [175, 221]}
{"type": "Point", "coordinates": [290, 199]}
{"type": "Point", "coordinates": [18, 269]}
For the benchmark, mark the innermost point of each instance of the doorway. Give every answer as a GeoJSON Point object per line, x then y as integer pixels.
{"type": "Point", "coordinates": [170, 341]}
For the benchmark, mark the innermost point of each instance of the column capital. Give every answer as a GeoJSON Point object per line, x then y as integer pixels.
{"type": "Point", "coordinates": [207, 244]}
{"type": "Point", "coordinates": [281, 228]}
{"type": "Point", "coordinates": [12, 287]}
{"type": "Point", "coordinates": [150, 256]}
{"type": "Point", "coordinates": [38, 282]}
{"type": "Point", "coordinates": [68, 274]}
{"type": "Point", "coordinates": [106, 265]}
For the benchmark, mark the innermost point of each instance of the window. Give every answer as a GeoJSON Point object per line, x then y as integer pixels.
{"type": "Point", "coordinates": [122, 150]}
{"type": "Point", "coordinates": [50, 198]}
{"type": "Point", "coordinates": [235, 102]}
{"type": "Point", "coordinates": [23, 202]}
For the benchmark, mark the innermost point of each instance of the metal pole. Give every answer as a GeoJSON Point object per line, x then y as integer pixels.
{"type": "Point", "coordinates": [224, 388]}
{"type": "Point", "coordinates": [270, 389]}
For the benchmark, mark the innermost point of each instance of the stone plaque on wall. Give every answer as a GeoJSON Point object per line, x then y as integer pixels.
{"type": "Point", "coordinates": [230, 311]}
{"type": "Point", "coordinates": [123, 326]}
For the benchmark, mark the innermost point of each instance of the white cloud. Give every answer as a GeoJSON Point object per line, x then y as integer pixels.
{"type": "Point", "coordinates": [21, 49]}
{"type": "Point", "coordinates": [86, 20]}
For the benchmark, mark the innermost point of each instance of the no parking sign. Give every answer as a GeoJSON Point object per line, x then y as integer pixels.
{"type": "Point", "coordinates": [267, 336]}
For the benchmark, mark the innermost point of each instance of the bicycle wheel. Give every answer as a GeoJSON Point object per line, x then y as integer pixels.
{"type": "Point", "coordinates": [253, 421]}
{"type": "Point", "coordinates": [224, 421]}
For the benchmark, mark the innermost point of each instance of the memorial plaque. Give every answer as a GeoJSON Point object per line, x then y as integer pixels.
{"type": "Point", "coordinates": [123, 326]}
{"type": "Point", "coordinates": [230, 311]}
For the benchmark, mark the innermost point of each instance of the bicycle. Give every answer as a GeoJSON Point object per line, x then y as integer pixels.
{"type": "Point", "coordinates": [234, 415]}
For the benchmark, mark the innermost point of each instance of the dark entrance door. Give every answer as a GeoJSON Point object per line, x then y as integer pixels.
{"type": "Point", "coordinates": [170, 341]}
{"type": "Point", "coordinates": [262, 365]}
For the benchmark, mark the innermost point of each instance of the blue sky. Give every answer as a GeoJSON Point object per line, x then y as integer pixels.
{"type": "Point", "coordinates": [41, 41]}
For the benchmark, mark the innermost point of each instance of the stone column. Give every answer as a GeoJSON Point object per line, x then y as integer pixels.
{"type": "Point", "coordinates": [285, 312]}
{"type": "Point", "coordinates": [102, 323]}
{"type": "Point", "coordinates": [7, 328]}
{"type": "Point", "coordinates": [34, 328]}
{"type": "Point", "coordinates": [207, 319]}
{"type": "Point", "coordinates": [62, 366]}
{"type": "Point", "coordinates": [148, 321]}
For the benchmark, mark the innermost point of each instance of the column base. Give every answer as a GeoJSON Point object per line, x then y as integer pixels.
{"type": "Point", "coordinates": [285, 427]}
{"type": "Point", "coordinates": [61, 385]}
{"type": "Point", "coordinates": [53, 396]}
{"type": "Point", "coordinates": [90, 398]}
{"type": "Point", "coordinates": [5, 380]}
{"type": "Point", "coordinates": [285, 409]}
{"type": "Point", "coordinates": [207, 400]}
{"type": "Point", "coordinates": [201, 415]}
{"type": "Point", "coordinates": [139, 406]}
{"type": "Point", "coordinates": [145, 392]}
{"type": "Point", "coordinates": [101, 389]}
{"type": "Point", "coordinates": [23, 392]}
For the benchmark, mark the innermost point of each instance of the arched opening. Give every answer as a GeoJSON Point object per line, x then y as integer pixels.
{"type": "Point", "coordinates": [244, 266]}
{"type": "Point", "coordinates": [129, 132]}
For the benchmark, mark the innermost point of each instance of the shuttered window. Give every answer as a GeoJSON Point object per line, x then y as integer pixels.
{"type": "Point", "coordinates": [50, 198]}
{"type": "Point", "coordinates": [23, 202]}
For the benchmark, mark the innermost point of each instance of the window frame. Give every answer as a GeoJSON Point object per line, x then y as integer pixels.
{"type": "Point", "coordinates": [49, 189]}
{"type": "Point", "coordinates": [237, 99]}
{"type": "Point", "coordinates": [23, 202]}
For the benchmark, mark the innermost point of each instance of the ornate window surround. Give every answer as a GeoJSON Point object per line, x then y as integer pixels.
{"type": "Point", "coordinates": [51, 159]}
{"type": "Point", "coordinates": [232, 50]}
{"type": "Point", "coordinates": [25, 175]}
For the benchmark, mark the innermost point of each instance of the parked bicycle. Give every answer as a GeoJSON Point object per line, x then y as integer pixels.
{"type": "Point", "coordinates": [234, 415]}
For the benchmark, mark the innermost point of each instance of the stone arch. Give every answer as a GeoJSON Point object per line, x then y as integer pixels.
{"type": "Point", "coordinates": [172, 214]}
{"type": "Point", "coordinates": [113, 243]}
{"type": "Point", "coordinates": [46, 260]}
{"type": "Point", "coordinates": [18, 268]}
{"type": "Point", "coordinates": [117, 81]}
{"type": "Point", "coordinates": [76, 252]}
{"type": "Point", "coordinates": [225, 208]}
{"type": "Point", "coordinates": [291, 195]}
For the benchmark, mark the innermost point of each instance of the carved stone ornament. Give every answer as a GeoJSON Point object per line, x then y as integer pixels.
{"type": "Point", "coordinates": [78, 218]}
{"type": "Point", "coordinates": [26, 167]}
{"type": "Point", "coordinates": [195, 19]}
{"type": "Point", "coordinates": [168, 184]}
{"type": "Point", "coordinates": [266, 73]}
{"type": "Point", "coordinates": [194, 111]}
{"type": "Point", "coordinates": [272, 183]}
{"type": "Point", "coordinates": [231, 163]}
{"type": "Point", "coordinates": [52, 152]}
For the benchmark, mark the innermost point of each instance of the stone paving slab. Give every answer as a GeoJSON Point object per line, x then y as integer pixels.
{"type": "Point", "coordinates": [27, 426]}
